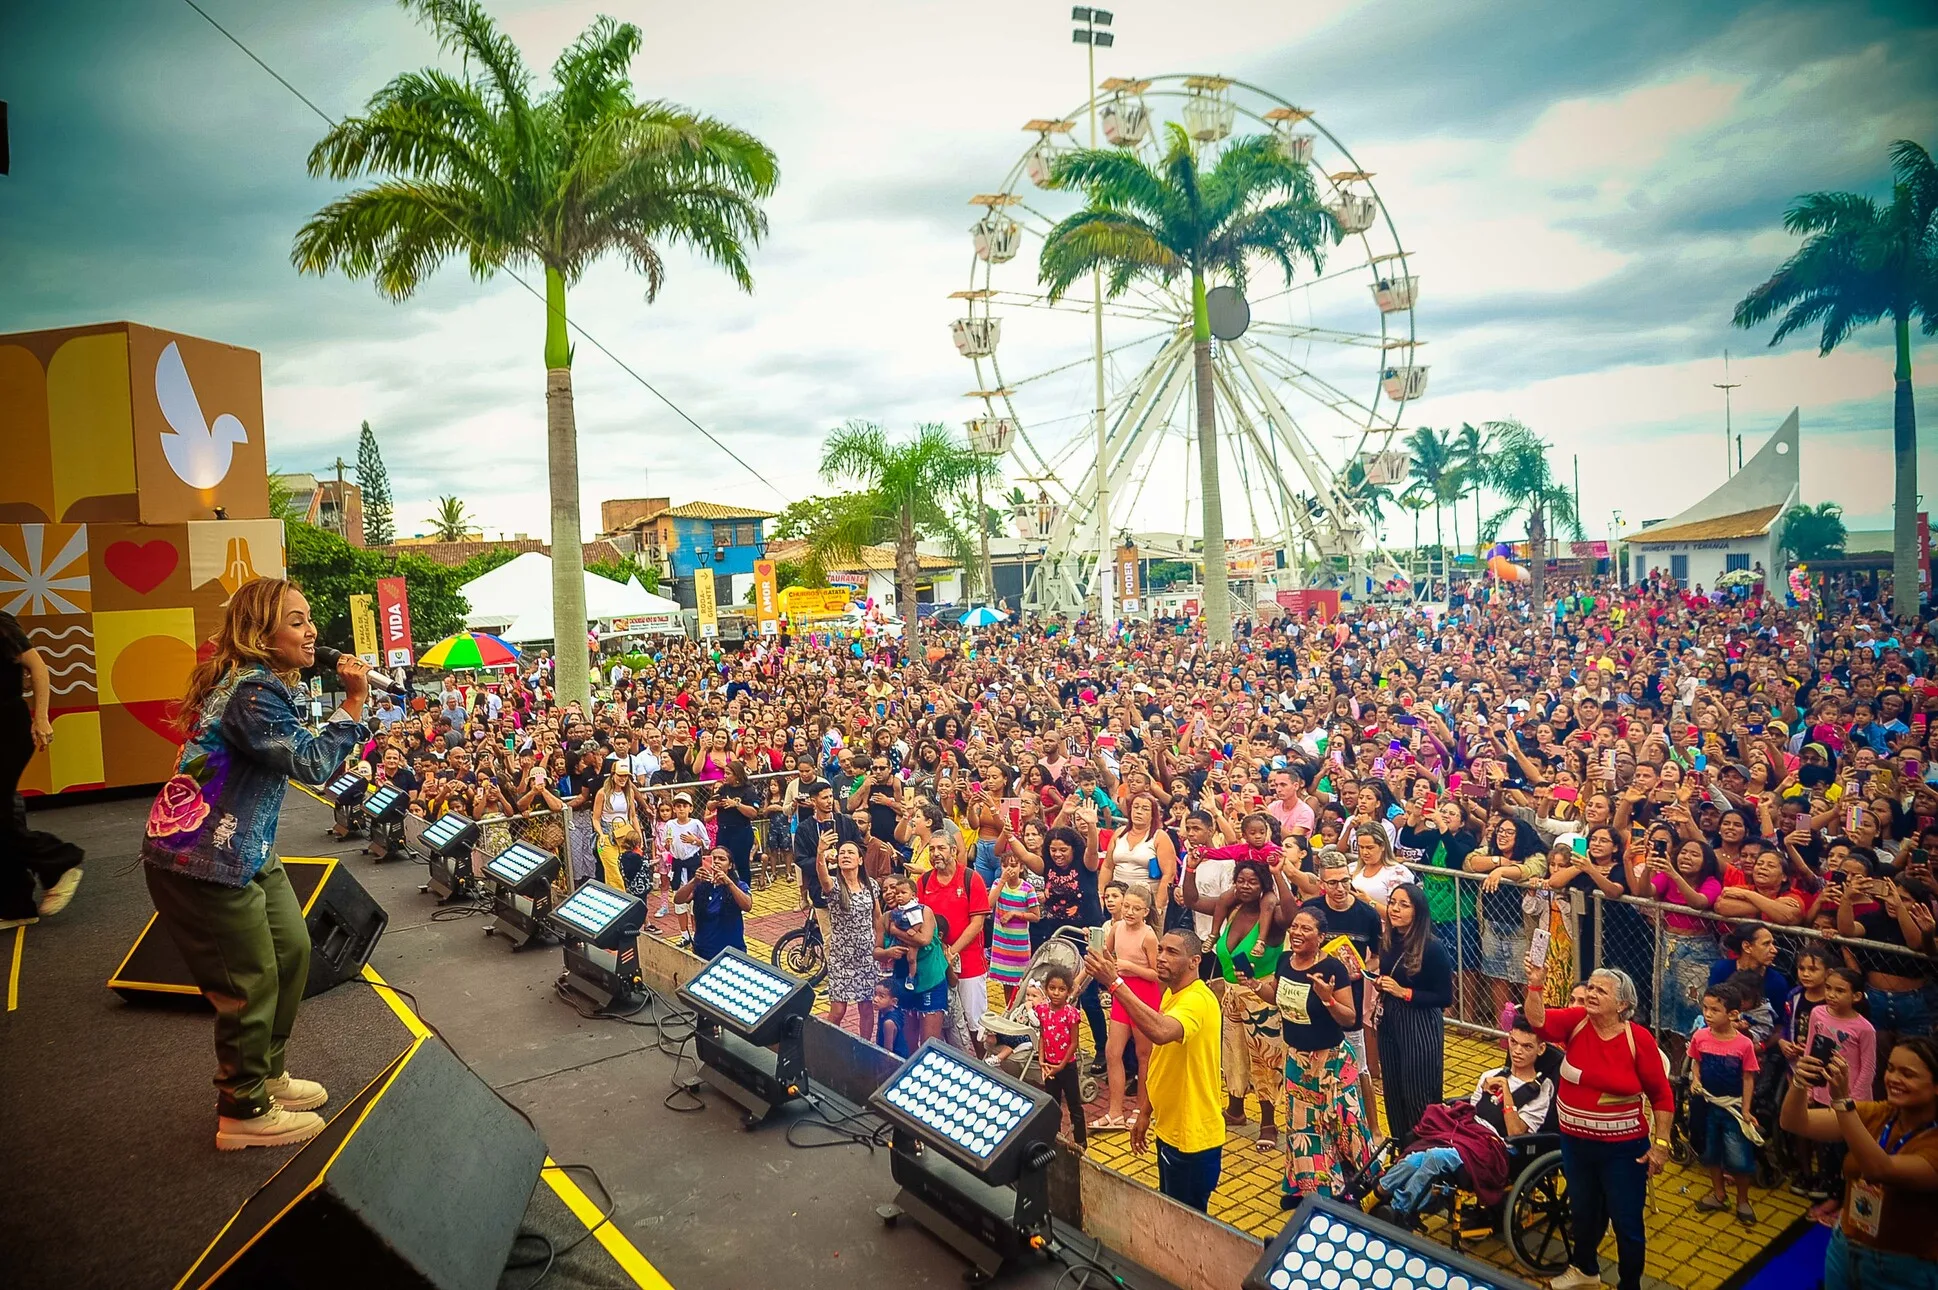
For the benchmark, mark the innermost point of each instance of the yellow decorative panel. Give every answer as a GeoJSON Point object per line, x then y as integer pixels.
{"type": "Point", "coordinates": [143, 655]}
{"type": "Point", "coordinates": [90, 421]}
{"type": "Point", "coordinates": [74, 760]}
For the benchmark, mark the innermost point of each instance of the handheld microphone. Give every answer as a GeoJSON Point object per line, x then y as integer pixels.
{"type": "Point", "coordinates": [327, 657]}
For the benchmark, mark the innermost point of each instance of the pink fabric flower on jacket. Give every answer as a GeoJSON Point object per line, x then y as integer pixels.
{"type": "Point", "coordinates": [179, 808]}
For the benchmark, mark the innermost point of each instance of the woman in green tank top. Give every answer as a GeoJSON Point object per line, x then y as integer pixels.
{"type": "Point", "coordinates": [1250, 920]}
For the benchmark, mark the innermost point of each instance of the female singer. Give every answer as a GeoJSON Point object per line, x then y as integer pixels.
{"type": "Point", "coordinates": [217, 885]}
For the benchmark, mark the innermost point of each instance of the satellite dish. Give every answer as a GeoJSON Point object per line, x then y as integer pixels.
{"type": "Point", "coordinates": [1230, 315]}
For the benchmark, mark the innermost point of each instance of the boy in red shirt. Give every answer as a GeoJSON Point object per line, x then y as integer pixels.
{"type": "Point", "coordinates": [1725, 1065]}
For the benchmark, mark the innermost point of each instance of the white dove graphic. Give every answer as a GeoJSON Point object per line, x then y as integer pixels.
{"type": "Point", "coordinates": [197, 452]}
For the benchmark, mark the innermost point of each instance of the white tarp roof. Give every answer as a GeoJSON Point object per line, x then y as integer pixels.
{"type": "Point", "coordinates": [515, 599]}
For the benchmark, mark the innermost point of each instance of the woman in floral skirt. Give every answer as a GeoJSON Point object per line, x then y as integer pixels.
{"type": "Point", "coordinates": [1325, 1121]}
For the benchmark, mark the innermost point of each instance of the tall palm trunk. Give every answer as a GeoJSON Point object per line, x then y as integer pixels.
{"type": "Point", "coordinates": [562, 471]}
{"type": "Point", "coordinates": [907, 573]}
{"type": "Point", "coordinates": [987, 573]}
{"type": "Point", "coordinates": [1538, 563]}
{"type": "Point", "coordinates": [1439, 537]}
{"type": "Point", "coordinates": [1904, 524]}
{"type": "Point", "coordinates": [1217, 606]}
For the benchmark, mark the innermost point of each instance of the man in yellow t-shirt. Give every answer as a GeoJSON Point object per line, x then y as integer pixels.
{"type": "Point", "coordinates": [1183, 1091]}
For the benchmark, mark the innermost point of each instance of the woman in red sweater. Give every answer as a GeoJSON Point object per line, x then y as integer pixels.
{"type": "Point", "coordinates": [1613, 1083]}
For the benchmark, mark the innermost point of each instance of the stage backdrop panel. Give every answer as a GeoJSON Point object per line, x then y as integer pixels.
{"type": "Point", "coordinates": [118, 422]}
{"type": "Point", "coordinates": [134, 500]}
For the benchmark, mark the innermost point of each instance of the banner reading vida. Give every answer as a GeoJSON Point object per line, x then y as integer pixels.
{"type": "Point", "coordinates": [393, 621]}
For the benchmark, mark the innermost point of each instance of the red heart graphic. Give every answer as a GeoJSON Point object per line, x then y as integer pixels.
{"type": "Point", "coordinates": [143, 566]}
{"type": "Point", "coordinates": [158, 715]}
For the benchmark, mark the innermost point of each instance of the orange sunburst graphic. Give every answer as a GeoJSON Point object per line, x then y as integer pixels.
{"type": "Point", "coordinates": [44, 570]}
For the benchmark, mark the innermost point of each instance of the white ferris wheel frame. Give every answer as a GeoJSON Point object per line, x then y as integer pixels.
{"type": "Point", "coordinates": [1246, 374]}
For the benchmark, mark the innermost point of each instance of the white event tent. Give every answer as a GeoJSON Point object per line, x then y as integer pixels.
{"type": "Point", "coordinates": [515, 601]}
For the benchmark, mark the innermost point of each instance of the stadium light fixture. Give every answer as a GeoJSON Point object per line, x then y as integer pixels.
{"type": "Point", "coordinates": [446, 843]}
{"type": "Point", "coordinates": [521, 892]}
{"type": "Point", "coordinates": [600, 926]}
{"type": "Point", "coordinates": [745, 1007]}
{"type": "Point", "coordinates": [971, 1150]}
{"type": "Point", "coordinates": [1327, 1243]}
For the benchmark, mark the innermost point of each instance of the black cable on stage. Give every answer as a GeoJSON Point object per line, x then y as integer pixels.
{"type": "Point", "coordinates": [534, 292]}
{"type": "Point", "coordinates": [555, 1253]}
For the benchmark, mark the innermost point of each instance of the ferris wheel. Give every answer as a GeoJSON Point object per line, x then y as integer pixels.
{"type": "Point", "coordinates": [1316, 381]}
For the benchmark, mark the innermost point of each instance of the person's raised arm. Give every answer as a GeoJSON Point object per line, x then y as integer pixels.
{"type": "Point", "coordinates": [1155, 1026]}
{"type": "Point", "coordinates": [1535, 1003]}
{"type": "Point", "coordinates": [1874, 1163]}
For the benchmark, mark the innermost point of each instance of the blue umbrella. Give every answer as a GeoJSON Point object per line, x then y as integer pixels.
{"type": "Point", "coordinates": [981, 616]}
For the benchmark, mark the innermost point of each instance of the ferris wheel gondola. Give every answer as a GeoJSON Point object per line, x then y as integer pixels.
{"type": "Point", "coordinates": [1298, 376]}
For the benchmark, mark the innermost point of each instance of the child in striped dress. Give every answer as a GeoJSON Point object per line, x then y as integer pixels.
{"type": "Point", "coordinates": [1016, 907]}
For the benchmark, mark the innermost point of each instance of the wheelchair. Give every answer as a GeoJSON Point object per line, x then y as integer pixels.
{"type": "Point", "coordinates": [1532, 1220]}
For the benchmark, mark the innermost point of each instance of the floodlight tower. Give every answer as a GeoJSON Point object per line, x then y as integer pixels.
{"type": "Point", "coordinates": [1090, 38]}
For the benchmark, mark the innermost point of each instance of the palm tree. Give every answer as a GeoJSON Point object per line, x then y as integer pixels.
{"type": "Point", "coordinates": [1861, 263]}
{"type": "Point", "coordinates": [1169, 221]}
{"type": "Point", "coordinates": [906, 485]}
{"type": "Point", "coordinates": [1470, 448]}
{"type": "Point", "coordinates": [1415, 500]}
{"type": "Point", "coordinates": [477, 166]}
{"type": "Point", "coordinates": [450, 523]}
{"type": "Point", "coordinates": [988, 524]}
{"type": "Point", "coordinates": [1812, 534]}
{"type": "Point", "coordinates": [1432, 469]}
{"type": "Point", "coordinates": [1517, 468]}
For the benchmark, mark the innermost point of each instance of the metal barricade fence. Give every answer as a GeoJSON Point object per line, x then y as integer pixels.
{"type": "Point", "coordinates": [1667, 950]}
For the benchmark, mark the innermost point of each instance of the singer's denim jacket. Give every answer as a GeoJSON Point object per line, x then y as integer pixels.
{"type": "Point", "coordinates": [216, 819]}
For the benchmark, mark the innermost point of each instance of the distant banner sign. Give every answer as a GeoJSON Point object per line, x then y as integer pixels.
{"type": "Point", "coordinates": [802, 603]}
{"type": "Point", "coordinates": [363, 625]}
{"type": "Point", "coordinates": [1301, 601]}
{"type": "Point", "coordinates": [1127, 587]}
{"type": "Point", "coordinates": [767, 610]}
{"type": "Point", "coordinates": [662, 623]}
{"type": "Point", "coordinates": [704, 602]}
{"type": "Point", "coordinates": [393, 621]}
{"type": "Point", "coordinates": [1589, 550]}
{"type": "Point", "coordinates": [1190, 609]}
{"type": "Point", "coordinates": [1924, 550]}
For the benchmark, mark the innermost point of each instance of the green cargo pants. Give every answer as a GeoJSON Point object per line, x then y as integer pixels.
{"type": "Point", "coordinates": [248, 949]}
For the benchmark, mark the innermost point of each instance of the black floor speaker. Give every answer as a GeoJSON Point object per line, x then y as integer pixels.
{"type": "Point", "coordinates": [344, 921]}
{"type": "Point", "coordinates": [420, 1181]}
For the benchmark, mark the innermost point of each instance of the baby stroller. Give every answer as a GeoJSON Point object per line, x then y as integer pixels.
{"type": "Point", "coordinates": [1015, 1026]}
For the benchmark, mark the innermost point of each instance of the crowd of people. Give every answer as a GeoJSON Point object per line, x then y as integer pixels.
{"type": "Point", "coordinates": [1676, 847]}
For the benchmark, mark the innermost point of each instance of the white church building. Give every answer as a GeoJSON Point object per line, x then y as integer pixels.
{"type": "Point", "coordinates": [1738, 526]}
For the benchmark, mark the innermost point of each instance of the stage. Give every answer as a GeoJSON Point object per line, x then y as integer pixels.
{"type": "Point", "coordinates": [113, 1179]}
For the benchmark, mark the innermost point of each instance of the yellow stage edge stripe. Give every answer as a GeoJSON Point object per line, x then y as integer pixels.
{"type": "Point", "coordinates": [417, 1028]}
{"type": "Point", "coordinates": [13, 977]}
{"type": "Point", "coordinates": [643, 1273]}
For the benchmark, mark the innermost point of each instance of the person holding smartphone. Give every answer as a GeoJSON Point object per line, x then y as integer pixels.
{"type": "Point", "coordinates": [719, 898]}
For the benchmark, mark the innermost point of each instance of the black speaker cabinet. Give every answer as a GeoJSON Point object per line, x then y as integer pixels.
{"type": "Point", "coordinates": [420, 1181]}
{"type": "Point", "coordinates": [344, 921]}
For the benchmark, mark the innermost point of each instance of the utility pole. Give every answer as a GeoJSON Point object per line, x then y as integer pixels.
{"type": "Point", "coordinates": [1726, 385]}
{"type": "Point", "coordinates": [342, 503]}
{"type": "Point", "coordinates": [1089, 37]}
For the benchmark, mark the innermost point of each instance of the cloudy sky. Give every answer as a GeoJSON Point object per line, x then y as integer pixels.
{"type": "Point", "coordinates": [1586, 190]}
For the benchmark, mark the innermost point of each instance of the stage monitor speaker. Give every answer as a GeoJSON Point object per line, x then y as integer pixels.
{"type": "Point", "coordinates": [421, 1181]}
{"type": "Point", "coordinates": [344, 921]}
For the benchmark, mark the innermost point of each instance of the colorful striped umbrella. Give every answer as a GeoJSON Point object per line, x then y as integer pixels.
{"type": "Point", "coordinates": [469, 649]}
